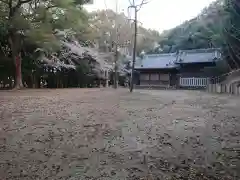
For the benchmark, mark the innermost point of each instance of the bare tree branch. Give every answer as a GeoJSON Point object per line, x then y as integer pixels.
{"type": "Point", "coordinates": [131, 4]}
{"type": "Point", "coordinates": [142, 3]}
{"type": "Point", "coordinates": [24, 1]}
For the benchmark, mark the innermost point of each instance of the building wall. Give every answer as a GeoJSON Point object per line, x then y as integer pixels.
{"type": "Point", "coordinates": [194, 70]}
{"type": "Point", "coordinates": [155, 78]}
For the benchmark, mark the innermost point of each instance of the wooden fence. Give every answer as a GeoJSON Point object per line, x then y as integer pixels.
{"type": "Point", "coordinates": [193, 82]}
{"type": "Point", "coordinates": [223, 88]}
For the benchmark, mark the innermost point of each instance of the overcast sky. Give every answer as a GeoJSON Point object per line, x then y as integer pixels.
{"type": "Point", "coordinates": [158, 14]}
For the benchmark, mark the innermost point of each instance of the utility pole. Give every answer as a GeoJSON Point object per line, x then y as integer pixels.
{"type": "Point", "coordinates": [116, 61]}
{"type": "Point", "coordinates": [135, 20]}
{"type": "Point", "coordinates": [134, 49]}
{"type": "Point", "coordinates": [116, 50]}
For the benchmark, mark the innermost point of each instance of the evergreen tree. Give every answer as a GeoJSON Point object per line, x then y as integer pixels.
{"type": "Point", "coordinates": [231, 32]}
{"type": "Point", "coordinates": [35, 21]}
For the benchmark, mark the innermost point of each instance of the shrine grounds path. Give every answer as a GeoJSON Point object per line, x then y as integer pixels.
{"type": "Point", "coordinates": [103, 134]}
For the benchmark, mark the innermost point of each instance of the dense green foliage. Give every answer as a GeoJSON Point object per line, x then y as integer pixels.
{"type": "Point", "coordinates": [217, 26]}
{"type": "Point", "coordinates": [30, 25]}
{"type": "Point", "coordinates": [27, 25]}
{"type": "Point", "coordinates": [203, 31]}
{"type": "Point", "coordinates": [231, 32]}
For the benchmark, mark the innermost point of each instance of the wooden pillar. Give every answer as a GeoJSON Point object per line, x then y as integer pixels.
{"type": "Point", "coordinates": [169, 80]}
{"type": "Point", "coordinates": [107, 79]}
{"type": "Point", "coordinates": [218, 88]}
{"type": "Point", "coordinates": [159, 78]}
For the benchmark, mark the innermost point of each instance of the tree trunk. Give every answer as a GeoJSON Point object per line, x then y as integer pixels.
{"type": "Point", "coordinates": [16, 56]}
{"type": "Point", "coordinates": [18, 76]}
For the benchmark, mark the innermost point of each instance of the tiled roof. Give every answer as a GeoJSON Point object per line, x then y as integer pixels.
{"type": "Point", "coordinates": [198, 56]}
{"type": "Point", "coordinates": [157, 61]}
{"type": "Point", "coordinates": [172, 60]}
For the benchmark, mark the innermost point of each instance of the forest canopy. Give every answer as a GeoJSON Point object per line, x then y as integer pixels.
{"type": "Point", "coordinates": [217, 26]}
{"type": "Point", "coordinates": [203, 31]}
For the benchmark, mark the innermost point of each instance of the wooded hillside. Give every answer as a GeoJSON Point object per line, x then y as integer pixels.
{"type": "Point", "coordinates": [203, 31]}
{"type": "Point", "coordinates": [217, 26]}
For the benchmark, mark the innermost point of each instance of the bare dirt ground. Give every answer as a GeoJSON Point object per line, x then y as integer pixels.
{"type": "Point", "coordinates": [104, 134]}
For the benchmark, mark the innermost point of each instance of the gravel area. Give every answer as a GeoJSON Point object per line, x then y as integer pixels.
{"type": "Point", "coordinates": [103, 134]}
